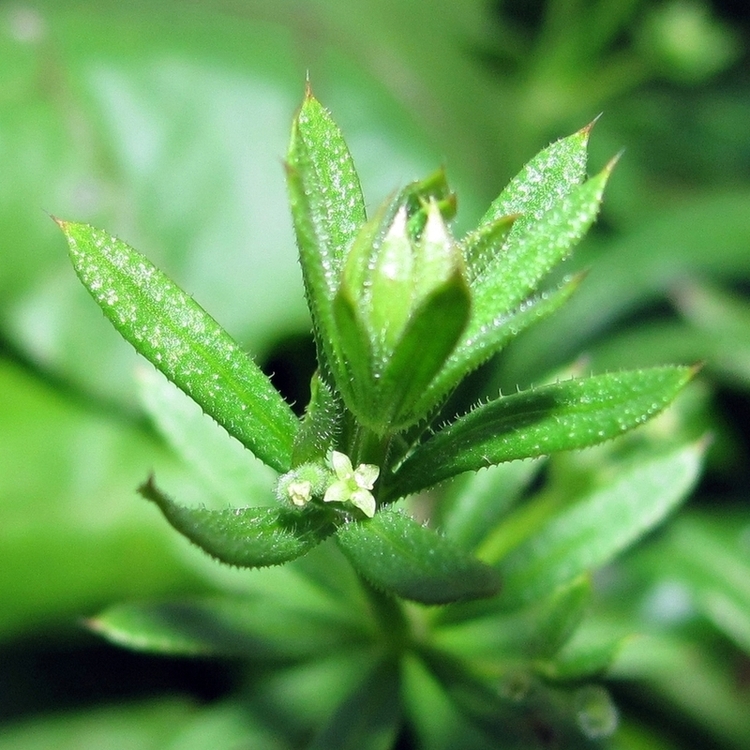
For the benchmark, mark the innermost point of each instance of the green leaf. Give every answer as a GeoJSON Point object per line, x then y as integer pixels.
{"type": "Point", "coordinates": [709, 555]}
{"type": "Point", "coordinates": [67, 513]}
{"type": "Point", "coordinates": [475, 503]}
{"type": "Point", "coordinates": [437, 721]}
{"type": "Point", "coordinates": [588, 534]}
{"type": "Point", "coordinates": [572, 414]}
{"type": "Point", "coordinates": [481, 246]}
{"type": "Point", "coordinates": [255, 627]}
{"type": "Point", "coordinates": [723, 319]}
{"type": "Point", "coordinates": [582, 658]}
{"type": "Point", "coordinates": [428, 339]}
{"type": "Point", "coordinates": [124, 726]}
{"type": "Point", "coordinates": [560, 616]}
{"type": "Point", "coordinates": [399, 555]}
{"type": "Point", "coordinates": [559, 213]}
{"type": "Point", "coordinates": [234, 474]}
{"type": "Point", "coordinates": [369, 718]}
{"type": "Point", "coordinates": [543, 182]}
{"type": "Point", "coordinates": [533, 249]}
{"type": "Point", "coordinates": [320, 425]}
{"type": "Point", "coordinates": [181, 340]}
{"type": "Point", "coordinates": [629, 273]}
{"type": "Point", "coordinates": [246, 537]}
{"type": "Point", "coordinates": [328, 210]}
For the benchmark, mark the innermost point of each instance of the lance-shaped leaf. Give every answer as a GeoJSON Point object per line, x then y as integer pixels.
{"type": "Point", "coordinates": [572, 414]}
{"type": "Point", "coordinates": [321, 423]}
{"type": "Point", "coordinates": [399, 555]}
{"type": "Point", "coordinates": [592, 531]}
{"type": "Point", "coordinates": [328, 210]}
{"type": "Point", "coordinates": [547, 178]}
{"type": "Point", "coordinates": [532, 250]}
{"type": "Point", "coordinates": [560, 212]}
{"type": "Point", "coordinates": [184, 342]}
{"type": "Point", "coordinates": [254, 627]}
{"type": "Point", "coordinates": [246, 537]}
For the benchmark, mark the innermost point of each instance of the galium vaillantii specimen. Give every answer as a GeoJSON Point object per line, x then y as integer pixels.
{"type": "Point", "coordinates": [402, 311]}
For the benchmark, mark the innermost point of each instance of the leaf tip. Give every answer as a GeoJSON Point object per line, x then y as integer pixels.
{"type": "Point", "coordinates": [612, 163]}
{"type": "Point", "coordinates": [585, 131]}
{"type": "Point", "coordinates": [60, 222]}
{"type": "Point", "coordinates": [149, 490]}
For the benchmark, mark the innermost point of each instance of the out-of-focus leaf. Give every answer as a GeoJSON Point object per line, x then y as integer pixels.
{"type": "Point", "coordinates": [305, 696]}
{"type": "Point", "coordinates": [250, 627]}
{"type": "Point", "coordinates": [688, 678]}
{"type": "Point", "coordinates": [724, 320]}
{"type": "Point", "coordinates": [168, 127]}
{"type": "Point", "coordinates": [228, 725]}
{"type": "Point", "coordinates": [122, 727]}
{"type": "Point", "coordinates": [436, 719]}
{"type": "Point", "coordinates": [571, 414]}
{"type": "Point", "coordinates": [592, 531]}
{"type": "Point", "coordinates": [399, 555]}
{"type": "Point", "coordinates": [370, 716]}
{"type": "Point", "coordinates": [72, 525]}
{"type": "Point", "coordinates": [560, 616]}
{"type": "Point", "coordinates": [475, 503]}
{"type": "Point", "coordinates": [182, 340]}
{"type": "Point", "coordinates": [714, 564]}
{"type": "Point", "coordinates": [236, 476]}
{"type": "Point", "coordinates": [246, 537]}
{"type": "Point", "coordinates": [581, 659]}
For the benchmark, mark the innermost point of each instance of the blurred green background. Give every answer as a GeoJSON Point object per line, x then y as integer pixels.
{"type": "Point", "coordinates": [167, 123]}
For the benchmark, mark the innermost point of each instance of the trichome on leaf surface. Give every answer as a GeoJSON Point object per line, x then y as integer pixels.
{"type": "Point", "coordinates": [402, 312]}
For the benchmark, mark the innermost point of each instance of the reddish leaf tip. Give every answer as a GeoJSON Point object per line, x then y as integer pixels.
{"type": "Point", "coordinates": [586, 129]}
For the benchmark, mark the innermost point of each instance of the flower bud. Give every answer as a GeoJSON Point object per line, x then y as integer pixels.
{"type": "Point", "coordinates": [401, 306]}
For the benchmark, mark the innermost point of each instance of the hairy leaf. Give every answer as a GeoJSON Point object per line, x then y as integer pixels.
{"type": "Point", "coordinates": [399, 555]}
{"type": "Point", "coordinates": [546, 179]}
{"type": "Point", "coordinates": [572, 414]}
{"type": "Point", "coordinates": [328, 210]}
{"type": "Point", "coordinates": [321, 424]}
{"type": "Point", "coordinates": [184, 342]}
{"type": "Point", "coordinates": [246, 537]}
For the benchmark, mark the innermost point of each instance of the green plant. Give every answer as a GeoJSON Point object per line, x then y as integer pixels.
{"type": "Point", "coordinates": [402, 313]}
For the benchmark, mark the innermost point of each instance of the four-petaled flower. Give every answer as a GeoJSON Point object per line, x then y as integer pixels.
{"type": "Point", "coordinates": [352, 485]}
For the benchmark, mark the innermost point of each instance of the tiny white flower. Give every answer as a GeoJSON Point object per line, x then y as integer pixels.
{"type": "Point", "coordinates": [352, 485]}
{"type": "Point", "coordinates": [299, 492]}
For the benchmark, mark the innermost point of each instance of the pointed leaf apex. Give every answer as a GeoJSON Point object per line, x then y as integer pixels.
{"type": "Point", "coordinates": [586, 129]}
{"type": "Point", "coordinates": [613, 162]}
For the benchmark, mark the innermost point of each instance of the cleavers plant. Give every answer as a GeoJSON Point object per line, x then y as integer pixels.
{"type": "Point", "coordinates": [402, 312]}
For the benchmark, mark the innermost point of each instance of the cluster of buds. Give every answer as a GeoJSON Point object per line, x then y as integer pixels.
{"type": "Point", "coordinates": [401, 305]}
